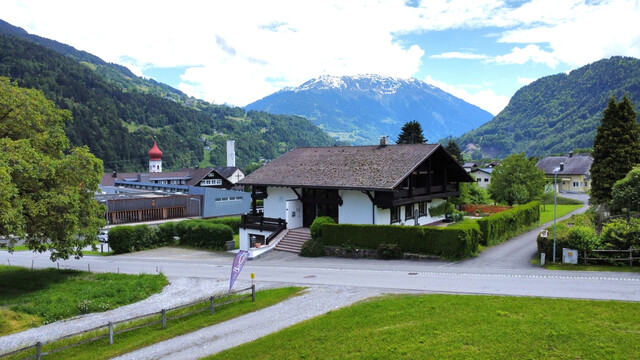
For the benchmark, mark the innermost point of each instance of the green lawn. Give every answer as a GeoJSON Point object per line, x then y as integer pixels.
{"type": "Point", "coordinates": [30, 298]}
{"type": "Point", "coordinates": [458, 327]}
{"type": "Point", "coordinates": [561, 210]}
{"type": "Point", "coordinates": [148, 335]}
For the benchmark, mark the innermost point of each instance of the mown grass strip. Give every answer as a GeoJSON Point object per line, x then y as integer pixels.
{"type": "Point", "coordinates": [142, 336]}
{"type": "Point", "coordinates": [458, 327]}
{"type": "Point", "coordinates": [546, 212]}
{"type": "Point", "coordinates": [31, 298]}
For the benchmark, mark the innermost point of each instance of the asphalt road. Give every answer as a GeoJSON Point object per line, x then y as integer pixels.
{"type": "Point", "coordinates": [502, 270]}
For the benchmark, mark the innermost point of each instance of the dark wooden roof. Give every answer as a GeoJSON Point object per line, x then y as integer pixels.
{"type": "Point", "coordinates": [351, 167]}
{"type": "Point", "coordinates": [573, 165]}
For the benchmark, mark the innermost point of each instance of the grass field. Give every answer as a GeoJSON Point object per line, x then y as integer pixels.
{"type": "Point", "coordinates": [145, 336]}
{"type": "Point", "coordinates": [30, 298]}
{"type": "Point", "coordinates": [458, 327]}
{"type": "Point", "coordinates": [561, 210]}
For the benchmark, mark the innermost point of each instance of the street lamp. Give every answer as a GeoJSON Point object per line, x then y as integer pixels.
{"type": "Point", "coordinates": [555, 196]}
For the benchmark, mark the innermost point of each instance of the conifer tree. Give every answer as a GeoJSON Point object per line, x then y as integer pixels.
{"type": "Point", "coordinates": [454, 151]}
{"type": "Point", "coordinates": [616, 148]}
{"type": "Point", "coordinates": [411, 133]}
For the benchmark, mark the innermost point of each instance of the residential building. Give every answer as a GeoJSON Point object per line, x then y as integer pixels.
{"type": "Point", "coordinates": [386, 184]}
{"type": "Point", "coordinates": [575, 176]}
{"type": "Point", "coordinates": [483, 176]}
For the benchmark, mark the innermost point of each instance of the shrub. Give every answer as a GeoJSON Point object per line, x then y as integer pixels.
{"type": "Point", "coordinates": [502, 226]}
{"type": "Point", "coordinates": [144, 237]}
{"type": "Point", "coordinates": [232, 222]}
{"type": "Point", "coordinates": [618, 234]}
{"type": "Point", "coordinates": [581, 238]}
{"type": "Point", "coordinates": [312, 248]}
{"type": "Point", "coordinates": [316, 227]}
{"type": "Point", "coordinates": [202, 234]}
{"type": "Point", "coordinates": [586, 220]}
{"type": "Point", "coordinates": [121, 239]}
{"type": "Point", "coordinates": [166, 233]}
{"type": "Point", "coordinates": [389, 251]}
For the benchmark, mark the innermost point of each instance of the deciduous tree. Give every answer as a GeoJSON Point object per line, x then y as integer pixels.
{"type": "Point", "coordinates": [516, 180]}
{"type": "Point", "coordinates": [626, 192]}
{"type": "Point", "coordinates": [46, 188]}
{"type": "Point", "coordinates": [616, 148]}
{"type": "Point", "coordinates": [411, 133]}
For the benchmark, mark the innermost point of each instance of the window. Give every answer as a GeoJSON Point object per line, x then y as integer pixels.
{"type": "Point", "coordinates": [478, 179]}
{"type": "Point", "coordinates": [408, 211]}
{"type": "Point", "coordinates": [213, 182]}
{"type": "Point", "coordinates": [486, 179]}
{"type": "Point", "coordinates": [395, 214]}
{"type": "Point", "coordinates": [575, 184]}
{"type": "Point", "coordinates": [422, 209]}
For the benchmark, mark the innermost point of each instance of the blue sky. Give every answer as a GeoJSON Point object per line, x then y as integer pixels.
{"type": "Point", "coordinates": [236, 52]}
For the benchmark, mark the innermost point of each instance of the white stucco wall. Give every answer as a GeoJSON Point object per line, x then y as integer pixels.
{"type": "Point", "coordinates": [244, 236]}
{"type": "Point", "coordinates": [294, 214]}
{"type": "Point", "coordinates": [356, 208]}
{"type": "Point", "coordinates": [383, 216]}
{"type": "Point", "coordinates": [275, 205]}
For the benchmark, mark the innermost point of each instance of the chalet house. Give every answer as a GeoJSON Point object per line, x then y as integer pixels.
{"type": "Point", "coordinates": [575, 176]}
{"type": "Point", "coordinates": [483, 176]}
{"type": "Point", "coordinates": [386, 184]}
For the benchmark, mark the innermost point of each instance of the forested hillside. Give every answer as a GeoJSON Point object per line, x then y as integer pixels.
{"type": "Point", "coordinates": [118, 119]}
{"type": "Point", "coordinates": [557, 113]}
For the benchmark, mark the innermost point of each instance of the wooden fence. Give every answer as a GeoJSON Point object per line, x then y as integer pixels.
{"type": "Point", "coordinates": [629, 258]}
{"type": "Point", "coordinates": [111, 326]}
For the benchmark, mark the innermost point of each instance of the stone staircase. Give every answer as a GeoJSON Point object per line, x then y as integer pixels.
{"type": "Point", "coordinates": [292, 242]}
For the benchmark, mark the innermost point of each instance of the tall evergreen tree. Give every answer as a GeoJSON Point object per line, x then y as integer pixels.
{"type": "Point", "coordinates": [616, 148]}
{"type": "Point", "coordinates": [454, 151]}
{"type": "Point", "coordinates": [411, 133]}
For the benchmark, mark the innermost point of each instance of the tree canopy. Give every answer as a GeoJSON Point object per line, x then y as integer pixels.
{"type": "Point", "coordinates": [626, 192]}
{"type": "Point", "coordinates": [517, 180]}
{"type": "Point", "coordinates": [616, 148]}
{"type": "Point", "coordinates": [46, 188]}
{"type": "Point", "coordinates": [411, 133]}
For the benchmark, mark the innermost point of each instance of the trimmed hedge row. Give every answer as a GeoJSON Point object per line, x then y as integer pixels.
{"type": "Point", "coordinates": [500, 227]}
{"type": "Point", "coordinates": [208, 234]}
{"type": "Point", "coordinates": [456, 241]}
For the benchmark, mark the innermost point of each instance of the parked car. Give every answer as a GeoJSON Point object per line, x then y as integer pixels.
{"type": "Point", "coordinates": [103, 236]}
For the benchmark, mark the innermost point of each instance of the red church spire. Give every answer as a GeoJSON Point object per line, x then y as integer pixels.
{"type": "Point", "coordinates": [155, 153]}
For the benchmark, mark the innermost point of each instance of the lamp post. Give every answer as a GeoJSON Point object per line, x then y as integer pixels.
{"type": "Point", "coordinates": [555, 196]}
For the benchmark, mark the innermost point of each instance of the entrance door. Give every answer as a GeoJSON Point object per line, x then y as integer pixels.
{"type": "Point", "coordinates": [309, 210]}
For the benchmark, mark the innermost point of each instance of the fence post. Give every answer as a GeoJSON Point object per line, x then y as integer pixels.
{"type": "Point", "coordinates": [631, 256]}
{"type": "Point", "coordinates": [164, 319]}
{"type": "Point", "coordinates": [213, 309]}
{"type": "Point", "coordinates": [38, 350]}
{"type": "Point", "coordinates": [585, 257]}
{"type": "Point", "coordinates": [253, 293]}
{"type": "Point", "coordinates": [110, 333]}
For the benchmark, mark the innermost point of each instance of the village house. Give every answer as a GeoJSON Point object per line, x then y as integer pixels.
{"type": "Point", "coordinates": [574, 176]}
{"type": "Point", "coordinates": [483, 176]}
{"type": "Point", "coordinates": [386, 184]}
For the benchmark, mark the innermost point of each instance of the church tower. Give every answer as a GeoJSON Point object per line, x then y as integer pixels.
{"type": "Point", "coordinates": [155, 159]}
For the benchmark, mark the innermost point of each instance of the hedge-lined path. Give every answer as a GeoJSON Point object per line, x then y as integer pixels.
{"type": "Point", "coordinates": [518, 252]}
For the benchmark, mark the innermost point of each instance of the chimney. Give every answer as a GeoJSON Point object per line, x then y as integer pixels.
{"type": "Point", "coordinates": [114, 174]}
{"type": "Point", "coordinates": [231, 153]}
{"type": "Point", "coordinates": [384, 140]}
{"type": "Point", "coordinates": [561, 166]}
{"type": "Point", "coordinates": [570, 154]}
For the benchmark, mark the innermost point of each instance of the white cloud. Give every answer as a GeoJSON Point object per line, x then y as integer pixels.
{"type": "Point", "coordinates": [528, 53]}
{"type": "Point", "coordinates": [459, 55]}
{"type": "Point", "coordinates": [485, 99]}
{"type": "Point", "coordinates": [233, 50]}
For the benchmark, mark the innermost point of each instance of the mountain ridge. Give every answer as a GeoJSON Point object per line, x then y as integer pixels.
{"type": "Point", "coordinates": [361, 108]}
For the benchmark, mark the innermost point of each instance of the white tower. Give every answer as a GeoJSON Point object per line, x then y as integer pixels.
{"type": "Point", "coordinates": [231, 153]}
{"type": "Point", "coordinates": [155, 159]}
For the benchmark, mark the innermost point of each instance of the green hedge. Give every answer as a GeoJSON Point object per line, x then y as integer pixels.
{"type": "Point", "coordinates": [204, 234]}
{"type": "Point", "coordinates": [232, 222]}
{"type": "Point", "coordinates": [456, 241]}
{"type": "Point", "coordinates": [502, 226]}
{"type": "Point", "coordinates": [124, 239]}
